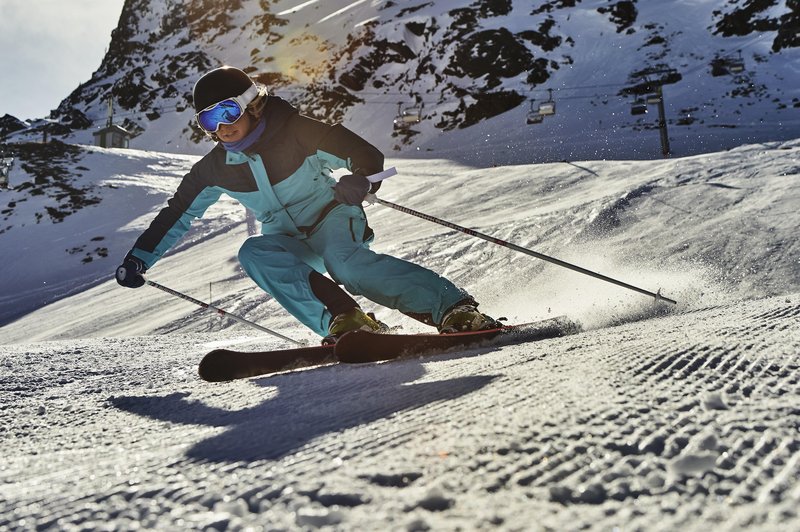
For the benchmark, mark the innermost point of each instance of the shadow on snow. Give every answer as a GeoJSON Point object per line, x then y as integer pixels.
{"type": "Point", "coordinates": [308, 405]}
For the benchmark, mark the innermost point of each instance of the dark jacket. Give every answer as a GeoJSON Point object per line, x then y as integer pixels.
{"type": "Point", "coordinates": [284, 178]}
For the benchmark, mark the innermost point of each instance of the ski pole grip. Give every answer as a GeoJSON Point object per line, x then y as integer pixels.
{"type": "Point", "coordinates": [380, 176]}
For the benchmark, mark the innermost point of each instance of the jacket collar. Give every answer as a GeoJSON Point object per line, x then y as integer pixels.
{"type": "Point", "coordinates": [276, 114]}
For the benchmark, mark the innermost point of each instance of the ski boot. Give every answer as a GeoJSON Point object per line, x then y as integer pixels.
{"type": "Point", "coordinates": [354, 320]}
{"type": "Point", "coordinates": [465, 317]}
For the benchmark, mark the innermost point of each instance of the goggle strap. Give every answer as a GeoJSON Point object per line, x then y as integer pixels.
{"type": "Point", "coordinates": [249, 95]}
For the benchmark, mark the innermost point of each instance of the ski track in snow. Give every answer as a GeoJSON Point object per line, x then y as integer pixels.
{"type": "Point", "coordinates": [654, 417]}
{"type": "Point", "coordinates": [688, 420]}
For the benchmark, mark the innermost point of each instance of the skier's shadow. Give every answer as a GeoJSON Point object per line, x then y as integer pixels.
{"type": "Point", "coordinates": [308, 405]}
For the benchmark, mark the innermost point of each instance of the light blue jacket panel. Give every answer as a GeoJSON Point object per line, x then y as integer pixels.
{"type": "Point", "coordinates": [288, 208]}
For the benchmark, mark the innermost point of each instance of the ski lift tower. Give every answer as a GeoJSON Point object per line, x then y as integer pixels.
{"type": "Point", "coordinates": [5, 168]}
{"type": "Point", "coordinates": [112, 136]}
{"type": "Point", "coordinates": [655, 96]}
{"type": "Point", "coordinates": [658, 98]}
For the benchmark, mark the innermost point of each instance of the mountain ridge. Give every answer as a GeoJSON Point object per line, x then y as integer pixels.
{"type": "Point", "coordinates": [467, 67]}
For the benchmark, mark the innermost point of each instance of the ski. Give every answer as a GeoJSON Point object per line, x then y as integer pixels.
{"type": "Point", "coordinates": [363, 346]}
{"type": "Point", "coordinates": [226, 364]}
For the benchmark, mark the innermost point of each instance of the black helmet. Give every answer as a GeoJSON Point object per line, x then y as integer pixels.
{"type": "Point", "coordinates": [219, 84]}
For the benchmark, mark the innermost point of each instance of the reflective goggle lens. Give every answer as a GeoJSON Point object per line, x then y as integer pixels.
{"type": "Point", "coordinates": [225, 112]}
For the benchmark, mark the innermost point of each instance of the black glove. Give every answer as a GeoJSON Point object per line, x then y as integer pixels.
{"type": "Point", "coordinates": [129, 274]}
{"type": "Point", "coordinates": [351, 189]}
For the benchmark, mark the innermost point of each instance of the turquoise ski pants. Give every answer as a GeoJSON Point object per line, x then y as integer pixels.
{"type": "Point", "coordinates": [281, 264]}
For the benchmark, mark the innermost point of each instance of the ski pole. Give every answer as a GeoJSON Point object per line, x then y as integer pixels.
{"type": "Point", "coordinates": [219, 311]}
{"type": "Point", "coordinates": [656, 295]}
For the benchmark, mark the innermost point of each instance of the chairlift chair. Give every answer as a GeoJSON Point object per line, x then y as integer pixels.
{"type": "Point", "coordinates": [408, 116]}
{"type": "Point", "coordinates": [653, 99]}
{"type": "Point", "coordinates": [534, 116]}
{"type": "Point", "coordinates": [639, 106]}
{"type": "Point", "coordinates": [411, 115]}
{"type": "Point", "coordinates": [736, 64]}
{"type": "Point", "coordinates": [549, 107]}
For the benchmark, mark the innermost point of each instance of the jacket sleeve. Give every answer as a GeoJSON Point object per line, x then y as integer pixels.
{"type": "Point", "coordinates": [190, 201]}
{"type": "Point", "coordinates": [339, 147]}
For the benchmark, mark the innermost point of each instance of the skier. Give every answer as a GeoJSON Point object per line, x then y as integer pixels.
{"type": "Point", "coordinates": [278, 164]}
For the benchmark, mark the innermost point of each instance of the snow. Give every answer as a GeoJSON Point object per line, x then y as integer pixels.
{"type": "Point", "coordinates": [654, 417]}
{"type": "Point", "coordinates": [589, 71]}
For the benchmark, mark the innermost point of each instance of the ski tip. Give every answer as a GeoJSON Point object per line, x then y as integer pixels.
{"type": "Point", "coordinates": [566, 322]}
{"type": "Point", "coordinates": [554, 327]}
{"type": "Point", "coordinates": [568, 325]}
{"type": "Point", "coordinates": [214, 368]}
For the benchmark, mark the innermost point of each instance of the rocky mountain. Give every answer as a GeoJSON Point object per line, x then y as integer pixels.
{"type": "Point", "coordinates": [479, 73]}
{"type": "Point", "coordinates": [10, 124]}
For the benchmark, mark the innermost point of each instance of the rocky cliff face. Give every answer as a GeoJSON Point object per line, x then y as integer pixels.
{"type": "Point", "coordinates": [456, 64]}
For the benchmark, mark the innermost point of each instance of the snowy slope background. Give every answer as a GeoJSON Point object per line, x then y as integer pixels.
{"type": "Point", "coordinates": [716, 225]}
{"type": "Point", "coordinates": [654, 417]}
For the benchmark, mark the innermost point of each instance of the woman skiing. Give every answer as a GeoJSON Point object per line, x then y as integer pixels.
{"type": "Point", "coordinates": [278, 164]}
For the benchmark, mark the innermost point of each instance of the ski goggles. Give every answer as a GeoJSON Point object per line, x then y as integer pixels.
{"type": "Point", "coordinates": [227, 111]}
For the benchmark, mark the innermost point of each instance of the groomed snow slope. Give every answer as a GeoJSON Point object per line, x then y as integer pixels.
{"type": "Point", "coordinates": [687, 422]}
{"type": "Point", "coordinates": [654, 417]}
